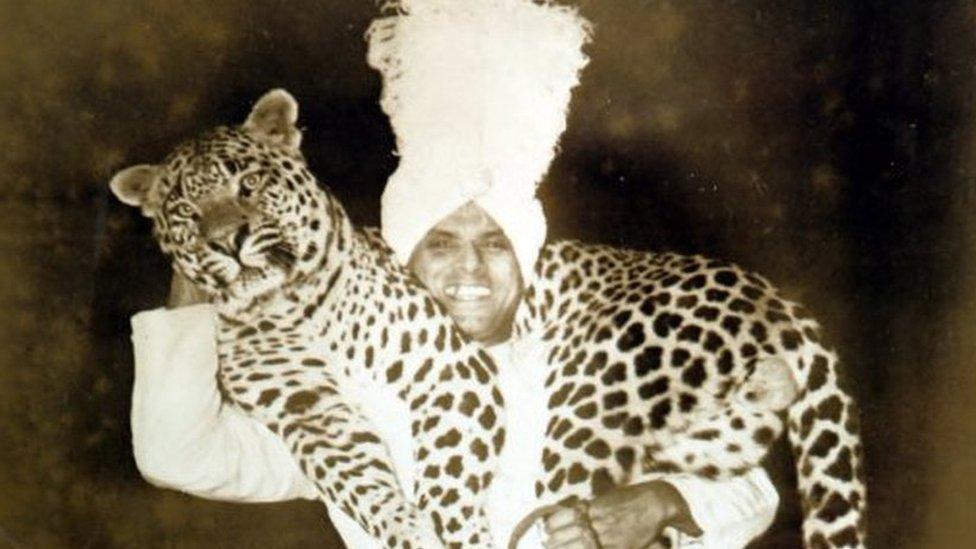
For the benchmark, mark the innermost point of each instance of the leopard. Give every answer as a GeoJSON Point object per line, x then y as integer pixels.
{"type": "Point", "coordinates": [660, 363]}
{"type": "Point", "coordinates": [657, 363]}
{"type": "Point", "coordinates": [308, 307]}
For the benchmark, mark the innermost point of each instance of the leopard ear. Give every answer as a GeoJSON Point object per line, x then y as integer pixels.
{"type": "Point", "coordinates": [273, 118]}
{"type": "Point", "coordinates": [134, 185]}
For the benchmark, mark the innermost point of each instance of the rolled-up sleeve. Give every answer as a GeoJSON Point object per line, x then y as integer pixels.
{"type": "Point", "coordinates": [732, 512]}
{"type": "Point", "coordinates": [183, 436]}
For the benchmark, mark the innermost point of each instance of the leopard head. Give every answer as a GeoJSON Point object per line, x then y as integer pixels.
{"type": "Point", "coordinates": [236, 209]}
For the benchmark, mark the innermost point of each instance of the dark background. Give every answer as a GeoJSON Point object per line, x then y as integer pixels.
{"type": "Point", "coordinates": [828, 145]}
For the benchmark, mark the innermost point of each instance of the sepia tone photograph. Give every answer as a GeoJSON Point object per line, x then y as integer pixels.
{"type": "Point", "coordinates": [488, 273]}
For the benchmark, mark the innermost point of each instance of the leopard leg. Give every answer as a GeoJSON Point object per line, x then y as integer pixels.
{"type": "Point", "coordinates": [338, 449]}
{"type": "Point", "coordinates": [717, 445]}
{"type": "Point", "coordinates": [458, 432]}
{"type": "Point", "coordinates": [336, 446]}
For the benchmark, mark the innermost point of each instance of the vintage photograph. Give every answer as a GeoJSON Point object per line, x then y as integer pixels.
{"type": "Point", "coordinates": [561, 274]}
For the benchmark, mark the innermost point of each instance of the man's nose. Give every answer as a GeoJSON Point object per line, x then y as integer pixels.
{"type": "Point", "coordinates": [471, 260]}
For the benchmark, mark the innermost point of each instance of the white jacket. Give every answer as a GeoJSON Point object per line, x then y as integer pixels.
{"type": "Point", "coordinates": [185, 439]}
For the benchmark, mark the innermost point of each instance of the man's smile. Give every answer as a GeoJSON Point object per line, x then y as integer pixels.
{"type": "Point", "coordinates": [467, 292]}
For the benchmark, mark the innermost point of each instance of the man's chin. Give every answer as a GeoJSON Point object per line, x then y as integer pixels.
{"type": "Point", "coordinates": [481, 329]}
{"type": "Point", "coordinates": [471, 324]}
{"type": "Point", "coordinates": [478, 320]}
{"type": "Point", "coordinates": [472, 310]}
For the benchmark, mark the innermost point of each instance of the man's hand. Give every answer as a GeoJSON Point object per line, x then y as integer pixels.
{"type": "Point", "coordinates": [630, 517]}
{"type": "Point", "coordinates": [182, 292]}
{"type": "Point", "coordinates": [569, 528]}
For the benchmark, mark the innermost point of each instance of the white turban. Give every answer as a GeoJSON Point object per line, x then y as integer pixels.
{"type": "Point", "coordinates": [477, 93]}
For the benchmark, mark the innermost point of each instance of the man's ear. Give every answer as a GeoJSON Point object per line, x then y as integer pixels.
{"type": "Point", "coordinates": [273, 118]}
{"type": "Point", "coordinates": [133, 186]}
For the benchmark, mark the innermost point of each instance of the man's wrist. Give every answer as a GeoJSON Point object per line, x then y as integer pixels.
{"type": "Point", "coordinates": [182, 293]}
{"type": "Point", "coordinates": [677, 513]}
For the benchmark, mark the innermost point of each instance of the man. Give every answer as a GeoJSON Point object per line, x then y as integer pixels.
{"type": "Point", "coordinates": [476, 126]}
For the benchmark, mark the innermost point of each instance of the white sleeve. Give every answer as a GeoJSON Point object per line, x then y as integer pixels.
{"type": "Point", "coordinates": [182, 436]}
{"type": "Point", "coordinates": [732, 512]}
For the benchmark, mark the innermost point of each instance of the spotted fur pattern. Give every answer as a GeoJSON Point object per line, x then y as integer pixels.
{"type": "Point", "coordinates": [669, 363]}
{"type": "Point", "coordinates": [308, 307]}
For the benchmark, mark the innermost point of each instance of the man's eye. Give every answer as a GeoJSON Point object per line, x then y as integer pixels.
{"type": "Point", "coordinates": [439, 243]}
{"type": "Point", "coordinates": [496, 244]}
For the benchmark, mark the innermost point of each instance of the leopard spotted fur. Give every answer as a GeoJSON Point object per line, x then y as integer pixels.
{"type": "Point", "coordinates": [663, 363]}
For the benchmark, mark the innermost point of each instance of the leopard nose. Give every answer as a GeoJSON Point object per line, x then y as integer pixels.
{"type": "Point", "coordinates": [222, 219]}
{"type": "Point", "coordinates": [240, 236]}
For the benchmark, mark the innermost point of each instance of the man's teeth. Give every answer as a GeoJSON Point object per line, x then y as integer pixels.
{"type": "Point", "coordinates": [464, 292]}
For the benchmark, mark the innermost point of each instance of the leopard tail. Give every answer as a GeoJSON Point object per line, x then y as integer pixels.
{"type": "Point", "coordinates": [824, 433]}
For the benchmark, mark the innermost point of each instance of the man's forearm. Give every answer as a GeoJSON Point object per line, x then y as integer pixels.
{"type": "Point", "coordinates": [182, 436]}
{"type": "Point", "coordinates": [729, 513]}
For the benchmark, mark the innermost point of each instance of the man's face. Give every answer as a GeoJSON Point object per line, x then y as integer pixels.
{"type": "Point", "coordinates": [469, 266]}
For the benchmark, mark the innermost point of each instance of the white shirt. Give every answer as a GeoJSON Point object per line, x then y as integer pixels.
{"type": "Point", "coordinates": [184, 438]}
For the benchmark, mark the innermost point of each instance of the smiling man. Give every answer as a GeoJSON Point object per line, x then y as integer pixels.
{"type": "Point", "coordinates": [477, 92]}
{"type": "Point", "coordinates": [468, 265]}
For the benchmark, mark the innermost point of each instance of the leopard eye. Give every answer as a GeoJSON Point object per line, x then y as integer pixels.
{"type": "Point", "coordinates": [184, 210]}
{"type": "Point", "coordinates": [251, 181]}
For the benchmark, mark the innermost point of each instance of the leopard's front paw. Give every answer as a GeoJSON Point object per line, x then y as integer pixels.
{"type": "Point", "coordinates": [418, 537]}
{"type": "Point", "coordinates": [410, 527]}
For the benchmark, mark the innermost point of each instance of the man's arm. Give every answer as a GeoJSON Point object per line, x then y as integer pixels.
{"type": "Point", "coordinates": [717, 514]}
{"type": "Point", "coordinates": [182, 436]}
{"type": "Point", "coordinates": [184, 439]}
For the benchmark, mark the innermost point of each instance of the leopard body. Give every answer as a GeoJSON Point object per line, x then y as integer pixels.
{"type": "Point", "coordinates": [664, 363]}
